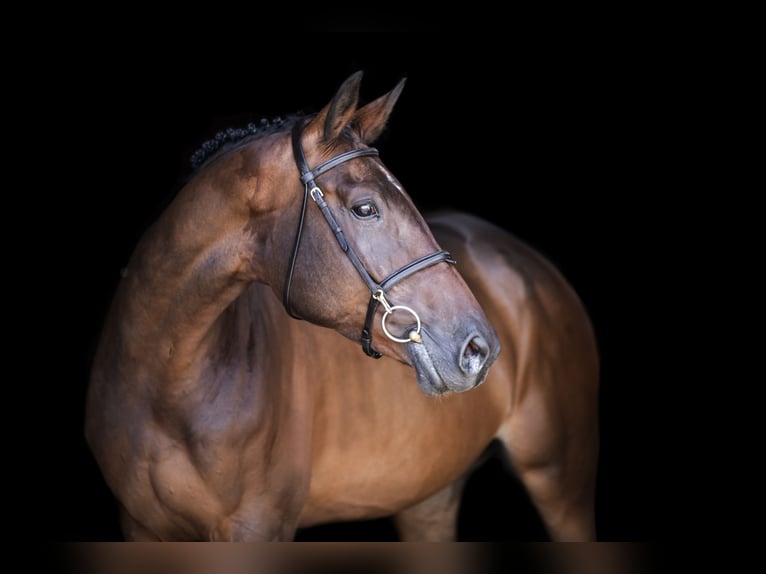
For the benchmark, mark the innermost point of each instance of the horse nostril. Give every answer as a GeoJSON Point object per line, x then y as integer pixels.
{"type": "Point", "coordinates": [474, 355]}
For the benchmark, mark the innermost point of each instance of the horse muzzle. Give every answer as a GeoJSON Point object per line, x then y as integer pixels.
{"type": "Point", "coordinates": [444, 367]}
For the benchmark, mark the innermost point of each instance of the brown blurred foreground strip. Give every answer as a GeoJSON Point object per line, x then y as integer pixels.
{"type": "Point", "coordinates": [358, 558]}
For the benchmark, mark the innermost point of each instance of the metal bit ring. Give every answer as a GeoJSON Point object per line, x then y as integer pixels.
{"type": "Point", "coordinates": [414, 336]}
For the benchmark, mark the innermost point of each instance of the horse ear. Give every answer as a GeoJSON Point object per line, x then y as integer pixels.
{"type": "Point", "coordinates": [371, 119]}
{"type": "Point", "coordinates": [335, 115]}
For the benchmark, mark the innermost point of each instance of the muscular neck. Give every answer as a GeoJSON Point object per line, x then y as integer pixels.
{"type": "Point", "coordinates": [185, 272]}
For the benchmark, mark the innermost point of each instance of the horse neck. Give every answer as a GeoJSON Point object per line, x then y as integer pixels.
{"type": "Point", "coordinates": [192, 264]}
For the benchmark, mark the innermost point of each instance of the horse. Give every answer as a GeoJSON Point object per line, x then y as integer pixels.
{"type": "Point", "coordinates": [228, 398]}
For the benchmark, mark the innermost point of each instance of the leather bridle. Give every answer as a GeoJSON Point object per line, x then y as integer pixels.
{"type": "Point", "coordinates": [377, 289]}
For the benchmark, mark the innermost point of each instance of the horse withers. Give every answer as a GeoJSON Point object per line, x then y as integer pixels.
{"type": "Point", "coordinates": [208, 416]}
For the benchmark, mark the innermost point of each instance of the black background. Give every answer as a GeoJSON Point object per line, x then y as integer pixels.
{"type": "Point", "coordinates": [564, 141]}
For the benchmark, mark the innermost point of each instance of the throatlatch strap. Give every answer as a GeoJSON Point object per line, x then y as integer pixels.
{"type": "Point", "coordinates": [308, 178]}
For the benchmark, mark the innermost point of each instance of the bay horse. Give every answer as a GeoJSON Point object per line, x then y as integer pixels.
{"type": "Point", "coordinates": [229, 400]}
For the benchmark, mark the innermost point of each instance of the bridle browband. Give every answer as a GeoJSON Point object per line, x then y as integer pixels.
{"type": "Point", "coordinates": [377, 290]}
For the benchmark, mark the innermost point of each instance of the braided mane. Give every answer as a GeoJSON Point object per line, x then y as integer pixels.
{"type": "Point", "coordinates": [231, 138]}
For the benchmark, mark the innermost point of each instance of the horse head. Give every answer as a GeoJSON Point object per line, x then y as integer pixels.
{"type": "Point", "coordinates": [361, 258]}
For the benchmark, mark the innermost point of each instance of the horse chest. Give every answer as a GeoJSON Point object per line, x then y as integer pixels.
{"type": "Point", "coordinates": [390, 446]}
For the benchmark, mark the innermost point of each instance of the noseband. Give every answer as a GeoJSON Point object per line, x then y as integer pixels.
{"type": "Point", "coordinates": [377, 290]}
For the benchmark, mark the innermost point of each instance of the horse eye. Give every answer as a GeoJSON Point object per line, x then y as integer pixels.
{"type": "Point", "coordinates": [365, 210]}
